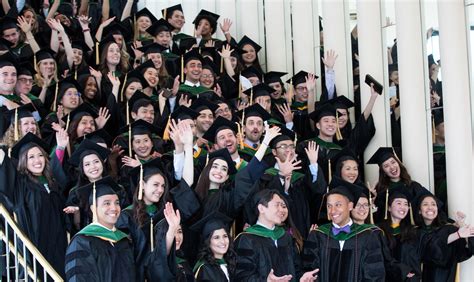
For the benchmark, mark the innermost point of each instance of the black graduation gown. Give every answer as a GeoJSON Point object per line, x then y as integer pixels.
{"type": "Point", "coordinates": [208, 272]}
{"type": "Point", "coordinates": [91, 259]}
{"type": "Point", "coordinates": [439, 258]}
{"type": "Point", "coordinates": [359, 136]}
{"type": "Point", "coordinates": [258, 255]}
{"type": "Point", "coordinates": [361, 258]}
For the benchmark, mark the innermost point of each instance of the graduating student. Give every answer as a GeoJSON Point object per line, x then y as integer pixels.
{"type": "Point", "coordinates": [253, 122]}
{"type": "Point", "coordinates": [250, 57]}
{"type": "Point", "coordinates": [26, 121]}
{"type": "Point", "coordinates": [344, 250]}
{"type": "Point", "coordinates": [216, 257]}
{"type": "Point", "coordinates": [265, 251]}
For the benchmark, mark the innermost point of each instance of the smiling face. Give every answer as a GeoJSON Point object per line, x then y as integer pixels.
{"type": "Point", "coordinates": [177, 19]}
{"type": "Point", "coordinates": [350, 171]}
{"type": "Point", "coordinates": [361, 210]}
{"type": "Point", "coordinates": [278, 90]}
{"type": "Point", "coordinates": [153, 189]}
{"type": "Point", "coordinates": [145, 113]}
{"type": "Point", "coordinates": [193, 70]}
{"type": "Point", "coordinates": [28, 124]}
{"type": "Point", "coordinates": [47, 67]}
{"type": "Point", "coordinates": [398, 209]}
{"type": "Point", "coordinates": [7, 79]}
{"type": "Point", "coordinates": [107, 210]}
{"type": "Point", "coordinates": [274, 213]}
{"type": "Point", "coordinates": [219, 171]}
{"type": "Point", "coordinates": [342, 118]}
{"type": "Point", "coordinates": [143, 23]}
{"type": "Point", "coordinates": [391, 169]}
{"type": "Point", "coordinates": [131, 88]}
{"type": "Point", "coordinates": [250, 56]}
{"type": "Point", "coordinates": [339, 208]}
{"type": "Point", "coordinates": [204, 120]}
{"type": "Point", "coordinates": [224, 111]}
{"type": "Point", "coordinates": [85, 126]}
{"type": "Point", "coordinates": [219, 243]}
{"type": "Point", "coordinates": [92, 167]}
{"type": "Point", "coordinates": [91, 88]}
{"type": "Point", "coordinates": [207, 78]}
{"type": "Point", "coordinates": [206, 27]}
{"type": "Point", "coordinates": [142, 145]}
{"type": "Point", "coordinates": [327, 126]}
{"type": "Point", "coordinates": [226, 138]}
{"type": "Point", "coordinates": [178, 238]}
{"type": "Point", "coordinates": [77, 56]}
{"type": "Point", "coordinates": [36, 161]}
{"type": "Point", "coordinates": [156, 59]}
{"type": "Point", "coordinates": [428, 210]}
{"type": "Point", "coordinates": [113, 54]}
{"type": "Point", "coordinates": [151, 76]}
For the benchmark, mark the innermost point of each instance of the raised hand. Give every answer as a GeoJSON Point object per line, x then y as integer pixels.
{"type": "Point", "coordinates": [96, 74]}
{"type": "Point", "coordinates": [107, 22]}
{"type": "Point", "coordinates": [25, 99]}
{"type": "Point", "coordinates": [175, 135]}
{"type": "Point", "coordinates": [55, 24]}
{"type": "Point", "coordinates": [310, 82]}
{"type": "Point", "coordinates": [172, 217]}
{"type": "Point", "coordinates": [84, 21]}
{"type": "Point", "coordinates": [270, 133]}
{"type": "Point", "coordinates": [71, 209]}
{"type": "Point", "coordinates": [62, 138]}
{"type": "Point", "coordinates": [113, 79]}
{"type": "Point", "coordinates": [226, 51]}
{"type": "Point", "coordinates": [23, 24]}
{"type": "Point", "coordinates": [225, 27]}
{"type": "Point", "coordinates": [186, 133]}
{"type": "Point", "coordinates": [312, 152]}
{"type": "Point", "coordinates": [330, 59]}
{"type": "Point", "coordinates": [285, 111]}
{"type": "Point", "coordinates": [466, 231]}
{"type": "Point", "coordinates": [184, 101]}
{"type": "Point", "coordinates": [289, 165]}
{"type": "Point", "coordinates": [176, 84]}
{"type": "Point", "coordinates": [273, 278]}
{"type": "Point", "coordinates": [103, 117]}
{"type": "Point", "coordinates": [130, 161]}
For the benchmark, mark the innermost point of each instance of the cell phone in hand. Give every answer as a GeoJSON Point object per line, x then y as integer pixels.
{"type": "Point", "coordinates": [377, 86]}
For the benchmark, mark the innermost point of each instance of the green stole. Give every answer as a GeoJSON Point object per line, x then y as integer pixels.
{"type": "Point", "coordinates": [300, 106]}
{"type": "Point", "coordinates": [99, 231]}
{"type": "Point", "coordinates": [262, 231]}
{"type": "Point", "coordinates": [325, 144]}
{"type": "Point", "coordinates": [201, 263]}
{"type": "Point", "coordinates": [195, 91]}
{"type": "Point", "coordinates": [342, 236]}
{"type": "Point", "coordinates": [294, 177]}
{"type": "Point", "coordinates": [439, 149]}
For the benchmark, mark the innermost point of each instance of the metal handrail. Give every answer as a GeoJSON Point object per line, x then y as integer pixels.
{"type": "Point", "coordinates": [30, 246]}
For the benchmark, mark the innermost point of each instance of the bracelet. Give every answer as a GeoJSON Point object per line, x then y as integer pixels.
{"type": "Point", "coordinates": [60, 148]}
{"type": "Point", "coordinates": [459, 236]}
{"type": "Point", "coordinates": [86, 30]}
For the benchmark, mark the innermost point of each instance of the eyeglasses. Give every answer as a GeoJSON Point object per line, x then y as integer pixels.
{"type": "Point", "coordinates": [363, 206]}
{"type": "Point", "coordinates": [26, 80]}
{"type": "Point", "coordinates": [286, 146]}
{"type": "Point", "coordinates": [207, 76]}
{"type": "Point", "coordinates": [301, 88]}
{"type": "Point", "coordinates": [70, 94]}
{"type": "Point", "coordinates": [224, 110]}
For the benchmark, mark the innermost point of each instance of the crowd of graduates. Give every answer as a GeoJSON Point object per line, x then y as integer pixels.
{"type": "Point", "coordinates": [132, 151]}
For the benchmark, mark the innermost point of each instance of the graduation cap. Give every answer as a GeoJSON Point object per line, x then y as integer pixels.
{"type": "Point", "coordinates": [88, 147]}
{"type": "Point", "coordinates": [192, 55]}
{"type": "Point", "coordinates": [137, 96]}
{"type": "Point", "coordinates": [159, 26]}
{"type": "Point", "coordinates": [209, 16]}
{"type": "Point", "coordinates": [341, 102]}
{"type": "Point", "coordinates": [44, 54]}
{"type": "Point", "coordinates": [152, 48]}
{"type": "Point", "coordinates": [98, 136]}
{"type": "Point", "coordinates": [66, 9]}
{"type": "Point", "coordinates": [224, 154]}
{"type": "Point", "coordinates": [167, 12]}
{"type": "Point", "coordinates": [246, 40]}
{"type": "Point", "coordinates": [62, 86]}
{"type": "Point", "coordinates": [357, 191]}
{"type": "Point", "coordinates": [118, 28]}
{"type": "Point", "coordinates": [84, 109]}
{"type": "Point", "coordinates": [143, 171]}
{"type": "Point", "coordinates": [399, 192]}
{"type": "Point", "coordinates": [80, 44]}
{"type": "Point", "coordinates": [273, 76]}
{"type": "Point", "coordinates": [28, 141]}
{"type": "Point", "coordinates": [322, 110]}
{"type": "Point", "coordinates": [138, 127]}
{"type": "Point", "coordinates": [8, 59]}
{"type": "Point", "coordinates": [15, 115]}
{"type": "Point", "coordinates": [8, 22]}
{"type": "Point", "coordinates": [146, 13]}
{"type": "Point", "coordinates": [382, 154]}
{"type": "Point", "coordinates": [259, 90]}
{"type": "Point", "coordinates": [201, 104]}
{"type": "Point", "coordinates": [344, 191]}
{"type": "Point", "coordinates": [25, 68]}
{"type": "Point", "coordinates": [251, 72]}
{"type": "Point", "coordinates": [298, 78]}
{"type": "Point", "coordinates": [219, 124]}
{"type": "Point", "coordinates": [210, 65]}
{"type": "Point", "coordinates": [210, 223]}
{"type": "Point", "coordinates": [343, 155]}
{"type": "Point", "coordinates": [285, 135]}
{"type": "Point", "coordinates": [183, 113]}
{"type": "Point", "coordinates": [93, 191]}
{"type": "Point", "coordinates": [186, 44]}
{"type": "Point", "coordinates": [254, 111]}
{"type": "Point", "coordinates": [136, 73]}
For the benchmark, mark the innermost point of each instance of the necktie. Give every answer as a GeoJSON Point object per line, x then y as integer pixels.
{"type": "Point", "coordinates": [255, 146]}
{"type": "Point", "coordinates": [345, 229]}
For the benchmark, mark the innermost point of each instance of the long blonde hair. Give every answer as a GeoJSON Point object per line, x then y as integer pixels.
{"type": "Point", "coordinates": [9, 136]}
{"type": "Point", "coordinates": [39, 78]}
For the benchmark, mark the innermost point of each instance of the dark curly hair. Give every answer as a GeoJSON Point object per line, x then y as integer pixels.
{"type": "Point", "coordinates": [206, 255]}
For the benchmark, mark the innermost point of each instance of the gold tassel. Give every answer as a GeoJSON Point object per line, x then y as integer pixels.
{"type": "Point", "coordinates": [240, 88]}
{"type": "Point", "coordinates": [433, 129]}
{"type": "Point", "coordinates": [16, 135]}
{"type": "Point", "coordinates": [75, 74]}
{"type": "Point", "coordinates": [9, 152]}
{"type": "Point", "coordinates": [127, 112]}
{"type": "Point", "coordinates": [251, 96]}
{"type": "Point", "coordinates": [94, 203]}
{"type": "Point", "coordinates": [67, 121]}
{"type": "Point", "coordinates": [164, 13]}
{"type": "Point", "coordinates": [395, 155]}
{"type": "Point", "coordinates": [56, 90]}
{"type": "Point", "coordinates": [338, 130]}
{"type": "Point", "coordinates": [412, 219]}
{"type": "Point", "coordinates": [34, 62]}
{"type": "Point", "coordinates": [222, 65]}
{"type": "Point", "coordinates": [243, 120]}
{"type": "Point", "coordinates": [151, 235]}
{"type": "Point", "coordinates": [371, 216]}
{"type": "Point", "coordinates": [140, 184]}
{"type": "Point", "coordinates": [123, 88]}
{"type": "Point", "coordinates": [97, 53]}
{"type": "Point", "coordinates": [136, 34]}
{"type": "Point", "coordinates": [241, 137]}
{"type": "Point", "coordinates": [386, 205]}
{"type": "Point", "coordinates": [182, 69]}
{"type": "Point", "coordinates": [296, 139]}
{"type": "Point", "coordinates": [166, 133]}
{"type": "Point", "coordinates": [130, 140]}
{"type": "Point", "coordinates": [330, 171]}
{"type": "Point", "coordinates": [290, 93]}
{"type": "Point", "coordinates": [207, 158]}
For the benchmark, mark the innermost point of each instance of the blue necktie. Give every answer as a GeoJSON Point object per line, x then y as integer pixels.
{"type": "Point", "coordinates": [345, 229]}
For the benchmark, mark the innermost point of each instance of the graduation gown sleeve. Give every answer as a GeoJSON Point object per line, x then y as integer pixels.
{"type": "Point", "coordinates": [208, 273]}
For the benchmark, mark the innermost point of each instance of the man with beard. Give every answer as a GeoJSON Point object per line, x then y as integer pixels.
{"type": "Point", "coordinates": [205, 118]}
{"type": "Point", "coordinates": [252, 119]}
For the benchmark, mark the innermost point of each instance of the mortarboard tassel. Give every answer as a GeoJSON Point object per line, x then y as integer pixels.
{"type": "Point", "coordinates": [207, 158]}
{"type": "Point", "coordinates": [9, 152]}
{"type": "Point", "coordinates": [240, 88]}
{"type": "Point", "coordinates": [371, 216]}
{"type": "Point", "coordinates": [16, 135]}
{"type": "Point", "coordinates": [251, 97]}
{"type": "Point", "coordinates": [433, 129]}
{"type": "Point", "coordinates": [127, 112]}
{"type": "Point", "coordinates": [243, 121]}
{"type": "Point", "coordinates": [123, 88]}
{"type": "Point", "coordinates": [129, 140]}
{"type": "Point", "coordinates": [289, 97]}
{"type": "Point", "coordinates": [140, 184]}
{"type": "Point", "coordinates": [94, 203]}
{"type": "Point", "coordinates": [75, 74]}
{"type": "Point", "coordinates": [56, 90]}
{"type": "Point", "coordinates": [412, 220]}
{"type": "Point", "coordinates": [395, 155]}
{"type": "Point", "coordinates": [338, 130]}
{"type": "Point", "coordinates": [241, 137]}
{"type": "Point", "coordinates": [34, 62]}
{"type": "Point", "coordinates": [222, 64]}
{"type": "Point", "coordinates": [182, 69]}
{"type": "Point", "coordinates": [166, 133]}
{"type": "Point", "coordinates": [165, 11]}
{"type": "Point", "coordinates": [296, 139]}
{"type": "Point", "coordinates": [386, 205]}
{"type": "Point", "coordinates": [330, 171]}
{"type": "Point", "coordinates": [68, 121]}
{"type": "Point", "coordinates": [152, 243]}
{"type": "Point", "coordinates": [97, 53]}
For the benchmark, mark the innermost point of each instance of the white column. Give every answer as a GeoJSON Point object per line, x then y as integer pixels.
{"type": "Point", "coordinates": [414, 99]}
{"type": "Point", "coordinates": [303, 23]}
{"type": "Point", "coordinates": [457, 113]}
{"type": "Point", "coordinates": [372, 60]}
{"type": "Point", "coordinates": [276, 35]}
{"type": "Point", "coordinates": [337, 37]}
